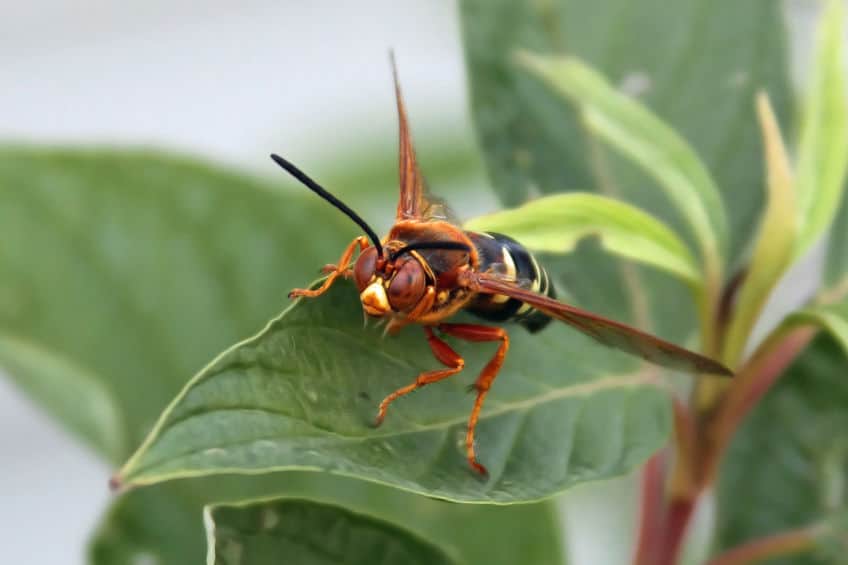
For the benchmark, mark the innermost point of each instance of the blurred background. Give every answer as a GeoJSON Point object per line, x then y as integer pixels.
{"type": "Point", "coordinates": [230, 83]}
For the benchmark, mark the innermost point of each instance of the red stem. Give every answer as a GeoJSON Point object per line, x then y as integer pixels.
{"type": "Point", "coordinates": [677, 521]}
{"type": "Point", "coordinates": [652, 511]}
{"type": "Point", "coordinates": [663, 527]}
{"type": "Point", "coordinates": [786, 543]}
{"type": "Point", "coordinates": [773, 367]}
{"type": "Point", "coordinates": [755, 379]}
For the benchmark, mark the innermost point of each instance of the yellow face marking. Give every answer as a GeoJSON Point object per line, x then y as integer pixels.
{"type": "Point", "coordinates": [374, 300]}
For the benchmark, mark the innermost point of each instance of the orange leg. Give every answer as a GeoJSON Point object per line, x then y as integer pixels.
{"type": "Point", "coordinates": [333, 271]}
{"type": "Point", "coordinates": [473, 332]}
{"type": "Point", "coordinates": [443, 352]}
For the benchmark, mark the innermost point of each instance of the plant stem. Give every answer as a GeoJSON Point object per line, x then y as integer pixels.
{"type": "Point", "coordinates": [710, 301]}
{"type": "Point", "coordinates": [652, 511]}
{"type": "Point", "coordinates": [709, 391]}
{"type": "Point", "coordinates": [727, 301]}
{"type": "Point", "coordinates": [657, 529]}
{"type": "Point", "coordinates": [684, 480]}
{"type": "Point", "coordinates": [752, 382]}
{"type": "Point", "coordinates": [786, 543]}
{"type": "Point", "coordinates": [677, 522]}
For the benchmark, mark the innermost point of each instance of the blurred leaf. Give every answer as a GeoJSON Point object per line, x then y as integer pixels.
{"type": "Point", "coordinates": [632, 129]}
{"type": "Point", "coordinates": [836, 261]}
{"type": "Point", "coordinates": [309, 533]}
{"type": "Point", "coordinates": [833, 318]}
{"type": "Point", "coordinates": [774, 246]}
{"type": "Point", "coordinates": [557, 223]}
{"type": "Point", "coordinates": [788, 464]}
{"type": "Point", "coordinates": [497, 535]}
{"type": "Point", "coordinates": [129, 533]}
{"type": "Point", "coordinates": [823, 151]}
{"type": "Point", "coordinates": [138, 267]}
{"type": "Point", "coordinates": [70, 393]}
{"type": "Point", "coordinates": [695, 63]}
{"type": "Point", "coordinates": [303, 393]}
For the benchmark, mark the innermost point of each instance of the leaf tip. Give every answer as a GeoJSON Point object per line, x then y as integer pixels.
{"type": "Point", "coordinates": [540, 63]}
{"type": "Point", "coordinates": [525, 58]}
{"type": "Point", "coordinates": [116, 483]}
{"type": "Point", "coordinates": [762, 102]}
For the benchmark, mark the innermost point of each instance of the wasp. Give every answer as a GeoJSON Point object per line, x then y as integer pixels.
{"type": "Point", "coordinates": [426, 269]}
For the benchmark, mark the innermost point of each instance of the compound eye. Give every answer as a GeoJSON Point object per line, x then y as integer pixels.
{"type": "Point", "coordinates": [407, 286]}
{"type": "Point", "coordinates": [364, 268]}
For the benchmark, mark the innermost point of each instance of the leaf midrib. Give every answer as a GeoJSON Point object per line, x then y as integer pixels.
{"type": "Point", "coordinates": [646, 378]}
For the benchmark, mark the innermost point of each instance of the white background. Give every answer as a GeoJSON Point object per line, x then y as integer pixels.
{"type": "Point", "coordinates": [223, 80]}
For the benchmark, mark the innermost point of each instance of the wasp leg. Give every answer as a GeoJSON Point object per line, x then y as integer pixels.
{"type": "Point", "coordinates": [335, 272]}
{"type": "Point", "coordinates": [441, 351]}
{"type": "Point", "coordinates": [473, 332]}
{"type": "Point", "coordinates": [330, 267]}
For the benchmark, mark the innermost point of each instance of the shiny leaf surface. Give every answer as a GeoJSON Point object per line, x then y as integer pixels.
{"type": "Point", "coordinates": [557, 223]}
{"type": "Point", "coordinates": [303, 393]}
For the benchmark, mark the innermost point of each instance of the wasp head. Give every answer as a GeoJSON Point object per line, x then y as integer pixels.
{"type": "Point", "coordinates": [386, 285]}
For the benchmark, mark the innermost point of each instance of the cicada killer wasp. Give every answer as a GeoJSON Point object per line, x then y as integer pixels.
{"type": "Point", "coordinates": [426, 269]}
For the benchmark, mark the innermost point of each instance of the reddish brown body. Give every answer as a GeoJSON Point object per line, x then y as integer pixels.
{"type": "Point", "coordinates": [426, 269]}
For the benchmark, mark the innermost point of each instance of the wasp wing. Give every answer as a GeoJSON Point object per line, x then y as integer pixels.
{"type": "Point", "coordinates": [606, 331]}
{"type": "Point", "coordinates": [413, 203]}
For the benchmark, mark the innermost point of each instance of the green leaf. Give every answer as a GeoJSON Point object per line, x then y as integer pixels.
{"type": "Point", "coordinates": [310, 533]}
{"type": "Point", "coordinates": [637, 133]}
{"type": "Point", "coordinates": [70, 393]}
{"type": "Point", "coordinates": [774, 246]}
{"type": "Point", "coordinates": [156, 525]}
{"type": "Point", "coordinates": [498, 535]}
{"type": "Point", "coordinates": [788, 464]}
{"type": "Point", "coordinates": [833, 318]}
{"type": "Point", "coordinates": [557, 223]}
{"type": "Point", "coordinates": [495, 534]}
{"type": "Point", "coordinates": [136, 268]}
{"type": "Point", "coordinates": [695, 63]}
{"type": "Point", "coordinates": [303, 393]}
{"type": "Point", "coordinates": [836, 262]}
{"type": "Point", "coordinates": [823, 150]}
{"type": "Point", "coordinates": [100, 229]}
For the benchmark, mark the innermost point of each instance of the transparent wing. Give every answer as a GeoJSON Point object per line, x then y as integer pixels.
{"type": "Point", "coordinates": [412, 203]}
{"type": "Point", "coordinates": [606, 331]}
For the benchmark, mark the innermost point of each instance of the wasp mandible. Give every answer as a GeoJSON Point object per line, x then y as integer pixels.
{"type": "Point", "coordinates": [426, 269]}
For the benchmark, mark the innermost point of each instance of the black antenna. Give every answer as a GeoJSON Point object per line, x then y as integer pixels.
{"type": "Point", "coordinates": [446, 245]}
{"type": "Point", "coordinates": [320, 191]}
